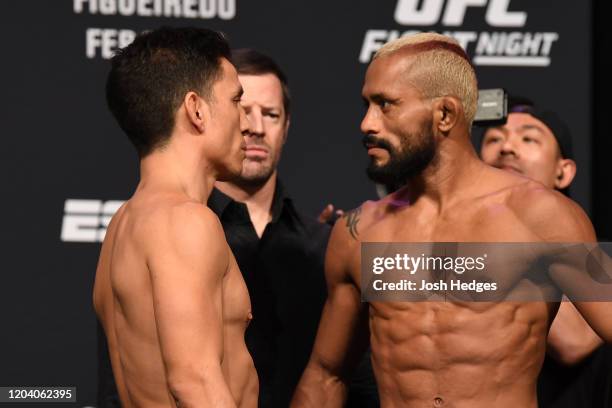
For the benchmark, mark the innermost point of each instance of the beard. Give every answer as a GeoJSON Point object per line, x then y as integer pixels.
{"type": "Point", "coordinates": [256, 173]}
{"type": "Point", "coordinates": [405, 162]}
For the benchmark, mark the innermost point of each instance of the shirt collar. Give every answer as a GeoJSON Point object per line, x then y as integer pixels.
{"type": "Point", "coordinates": [218, 202]}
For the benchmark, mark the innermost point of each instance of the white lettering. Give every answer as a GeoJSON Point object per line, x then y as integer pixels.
{"type": "Point", "coordinates": [549, 38]}
{"type": "Point", "coordinates": [108, 7]}
{"type": "Point", "coordinates": [188, 10]}
{"type": "Point", "coordinates": [377, 265]}
{"type": "Point", "coordinates": [78, 6]}
{"type": "Point", "coordinates": [227, 9]}
{"type": "Point", "coordinates": [157, 7]}
{"type": "Point", "coordinates": [499, 16]}
{"type": "Point", "coordinates": [107, 41]}
{"type": "Point", "coordinates": [92, 41]}
{"type": "Point", "coordinates": [455, 11]}
{"type": "Point", "coordinates": [407, 12]}
{"type": "Point", "coordinates": [208, 8]}
{"type": "Point", "coordinates": [126, 37]}
{"type": "Point", "coordinates": [172, 8]}
{"type": "Point", "coordinates": [87, 220]}
{"type": "Point", "coordinates": [127, 7]}
{"type": "Point", "coordinates": [373, 41]}
{"type": "Point", "coordinates": [486, 43]}
{"type": "Point", "coordinates": [143, 9]}
{"type": "Point", "coordinates": [513, 44]}
{"type": "Point", "coordinates": [531, 43]}
{"type": "Point", "coordinates": [464, 38]}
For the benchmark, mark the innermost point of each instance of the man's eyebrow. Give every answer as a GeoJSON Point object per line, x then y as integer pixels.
{"type": "Point", "coordinates": [379, 97]}
{"type": "Point", "coordinates": [530, 127]}
{"type": "Point", "coordinates": [501, 129]}
{"type": "Point", "coordinates": [271, 107]}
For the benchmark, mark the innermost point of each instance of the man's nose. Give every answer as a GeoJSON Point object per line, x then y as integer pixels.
{"type": "Point", "coordinates": [508, 147]}
{"type": "Point", "coordinates": [245, 124]}
{"type": "Point", "coordinates": [256, 123]}
{"type": "Point", "coordinates": [370, 124]}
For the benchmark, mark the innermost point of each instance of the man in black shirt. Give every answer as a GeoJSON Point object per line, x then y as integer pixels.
{"type": "Point", "coordinates": [280, 252]}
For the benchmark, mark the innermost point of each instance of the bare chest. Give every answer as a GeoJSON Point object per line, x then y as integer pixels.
{"type": "Point", "coordinates": [236, 301]}
{"type": "Point", "coordinates": [471, 254]}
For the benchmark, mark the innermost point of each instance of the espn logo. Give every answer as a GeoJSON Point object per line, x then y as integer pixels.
{"type": "Point", "coordinates": [87, 220]}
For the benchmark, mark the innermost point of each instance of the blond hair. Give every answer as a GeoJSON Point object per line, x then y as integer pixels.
{"type": "Point", "coordinates": [442, 68]}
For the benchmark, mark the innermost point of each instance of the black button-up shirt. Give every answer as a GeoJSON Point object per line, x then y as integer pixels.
{"type": "Point", "coordinates": [284, 273]}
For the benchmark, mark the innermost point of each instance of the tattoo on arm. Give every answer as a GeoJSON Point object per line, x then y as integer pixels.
{"type": "Point", "coordinates": [352, 218]}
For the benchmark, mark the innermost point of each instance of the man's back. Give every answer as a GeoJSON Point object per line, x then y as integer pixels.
{"type": "Point", "coordinates": [145, 295]}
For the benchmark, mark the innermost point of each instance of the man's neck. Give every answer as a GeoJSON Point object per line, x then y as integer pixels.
{"type": "Point", "coordinates": [453, 174]}
{"type": "Point", "coordinates": [258, 200]}
{"type": "Point", "coordinates": [179, 170]}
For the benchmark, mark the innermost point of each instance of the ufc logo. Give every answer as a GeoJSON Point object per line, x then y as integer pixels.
{"type": "Point", "coordinates": [87, 220]}
{"type": "Point", "coordinates": [407, 12]}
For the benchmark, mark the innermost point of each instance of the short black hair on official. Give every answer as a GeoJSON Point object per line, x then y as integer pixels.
{"type": "Point", "coordinates": [150, 77]}
{"type": "Point", "coordinates": [250, 62]}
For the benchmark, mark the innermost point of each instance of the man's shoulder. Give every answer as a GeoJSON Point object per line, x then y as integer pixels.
{"type": "Point", "coordinates": [172, 218]}
{"type": "Point", "coordinates": [548, 213]}
{"type": "Point", "coordinates": [354, 222]}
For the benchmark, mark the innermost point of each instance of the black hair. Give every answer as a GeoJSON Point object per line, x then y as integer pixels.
{"type": "Point", "coordinates": [150, 77]}
{"type": "Point", "coordinates": [250, 62]}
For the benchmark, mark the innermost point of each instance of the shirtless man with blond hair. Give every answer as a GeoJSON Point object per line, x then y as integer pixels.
{"type": "Point", "coordinates": [421, 93]}
{"type": "Point", "coordinates": [168, 292]}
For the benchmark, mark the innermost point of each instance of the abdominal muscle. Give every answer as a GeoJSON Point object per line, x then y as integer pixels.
{"type": "Point", "coordinates": [432, 354]}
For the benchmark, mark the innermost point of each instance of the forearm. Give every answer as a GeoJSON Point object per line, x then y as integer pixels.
{"type": "Point", "coordinates": [194, 391]}
{"type": "Point", "coordinates": [319, 388]}
{"type": "Point", "coordinates": [570, 338]}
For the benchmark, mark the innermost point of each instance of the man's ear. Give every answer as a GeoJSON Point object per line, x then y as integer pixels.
{"type": "Point", "coordinates": [447, 111]}
{"type": "Point", "coordinates": [195, 109]}
{"type": "Point", "coordinates": [566, 171]}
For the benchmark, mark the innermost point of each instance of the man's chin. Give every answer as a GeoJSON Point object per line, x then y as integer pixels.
{"type": "Point", "coordinates": [255, 175]}
{"type": "Point", "coordinates": [381, 175]}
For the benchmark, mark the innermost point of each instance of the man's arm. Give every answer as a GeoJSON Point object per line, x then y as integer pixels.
{"type": "Point", "coordinates": [556, 218]}
{"type": "Point", "coordinates": [187, 259]}
{"type": "Point", "coordinates": [571, 339]}
{"type": "Point", "coordinates": [342, 336]}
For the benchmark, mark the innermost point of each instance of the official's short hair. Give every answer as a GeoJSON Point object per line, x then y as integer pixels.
{"type": "Point", "coordinates": [441, 69]}
{"type": "Point", "coordinates": [250, 62]}
{"type": "Point", "coordinates": [150, 77]}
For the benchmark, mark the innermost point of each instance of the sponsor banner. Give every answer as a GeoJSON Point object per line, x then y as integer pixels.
{"type": "Point", "coordinates": [87, 220]}
{"type": "Point", "coordinates": [502, 38]}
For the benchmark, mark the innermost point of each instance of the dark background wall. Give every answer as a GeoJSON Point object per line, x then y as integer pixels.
{"type": "Point", "coordinates": [60, 142]}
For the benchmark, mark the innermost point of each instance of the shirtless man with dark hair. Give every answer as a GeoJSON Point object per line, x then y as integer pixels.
{"type": "Point", "coordinates": [168, 291]}
{"type": "Point", "coordinates": [421, 93]}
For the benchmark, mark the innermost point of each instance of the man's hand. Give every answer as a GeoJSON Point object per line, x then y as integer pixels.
{"type": "Point", "coordinates": [328, 215]}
